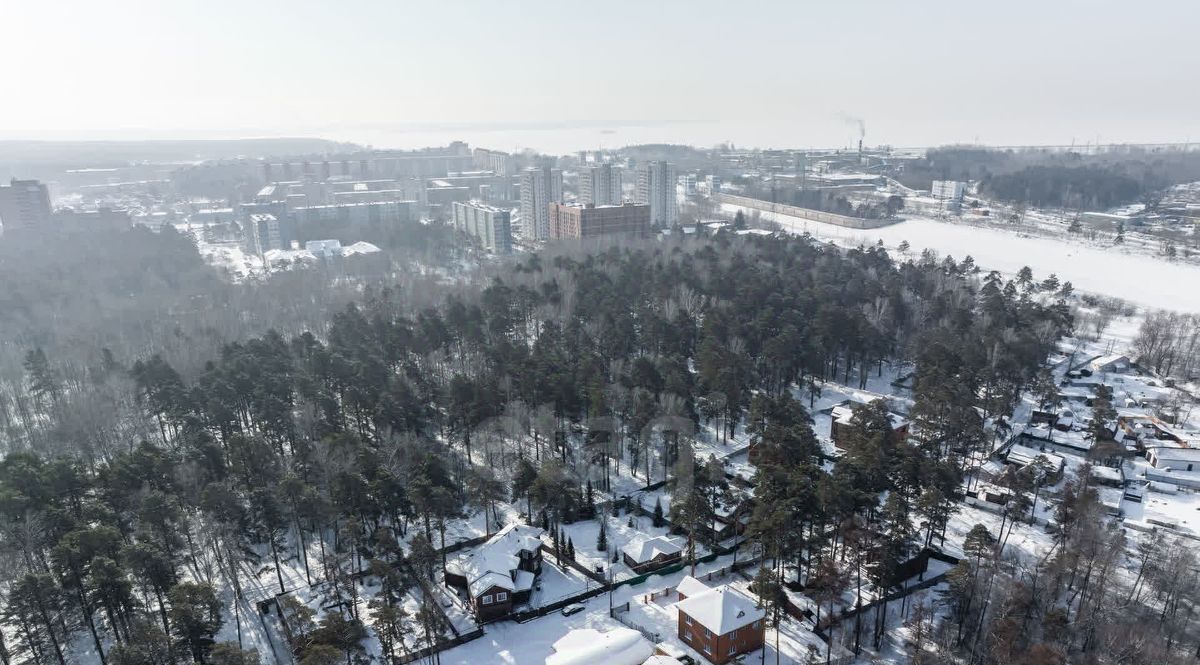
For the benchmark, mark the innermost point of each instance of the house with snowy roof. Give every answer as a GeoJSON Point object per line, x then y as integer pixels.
{"type": "Point", "coordinates": [647, 554]}
{"type": "Point", "coordinates": [1175, 457]}
{"type": "Point", "coordinates": [499, 574]}
{"type": "Point", "coordinates": [842, 414]}
{"type": "Point", "coordinates": [1110, 364]}
{"type": "Point", "coordinates": [690, 586]}
{"type": "Point", "coordinates": [588, 646]}
{"type": "Point", "coordinates": [1022, 456]}
{"type": "Point", "coordinates": [721, 623]}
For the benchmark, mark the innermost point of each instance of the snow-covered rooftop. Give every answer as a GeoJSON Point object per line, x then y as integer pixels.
{"type": "Point", "coordinates": [646, 549]}
{"type": "Point", "coordinates": [588, 646]}
{"type": "Point", "coordinates": [359, 247]}
{"type": "Point", "coordinates": [690, 586]}
{"type": "Point", "coordinates": [495, 563]}
{"type": "Point", "coordinates": [721, 610]}
{"type": "Point", "coordinates": [1024, 455]}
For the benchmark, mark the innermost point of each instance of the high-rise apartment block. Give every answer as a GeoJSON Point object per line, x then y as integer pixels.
{"type": "Point", "coordinates": [24, 204]}
{"type": "Point", "coordinates": [539, 188]}
{"type": "Point", "coordinates": [656, 188]}
{"type": "Point", "coordinates": [267, 232]}
{"type": "Point", "coordinates": [600, 184]}
{"type": "Point", "coordinates": [489, 226]}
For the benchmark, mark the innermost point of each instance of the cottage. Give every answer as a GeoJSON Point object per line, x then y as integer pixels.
{"type": "Point", "coordinates": [500, 573]}
{"type": "Point", "coordinates": [587, 646]}
{"type": "Point", "coordinates": [648, 554]}
{"type": "Point", "coordinates": [1023, 456]}
{"type": "Point", "coordinates": [843, 413]}
{"type": "Point", "coordinates": [721, 623]}
{"type": "Point", "coordinates": [1174, 458]}
{"type": "Point", "coordinates": [1111, 364]}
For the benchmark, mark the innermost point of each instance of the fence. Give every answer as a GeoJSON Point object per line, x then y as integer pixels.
{"type": "Point", "coordinates": [528, 615]}
{"type": "Point", "coordinates": [428, 651]}
{"type": "Point", "coordinates": [718, 573]}
{"type": "Point", "coordinates": [618, 613]}
{"type": "Point", "coordinates": [575, 565]}
{"type": "Point", "coordinates": [464, 544]}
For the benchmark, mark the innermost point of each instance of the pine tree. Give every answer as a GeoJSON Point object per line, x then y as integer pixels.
{"type": "Point", "coordinates": [195, 617]}
{"type": "Point", "coordinates": [658, 513]}
{"type": "Point", "coordinates": [602, 539]}
{"type": "Point", "coordinates": [570, 549]}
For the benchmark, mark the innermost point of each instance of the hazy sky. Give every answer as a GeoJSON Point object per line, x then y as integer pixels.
{"type": "Point", "coordinates": [769, 73]}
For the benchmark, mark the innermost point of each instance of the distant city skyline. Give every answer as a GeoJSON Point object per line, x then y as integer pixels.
{"type": "Point", "coordinates": [507, 75]}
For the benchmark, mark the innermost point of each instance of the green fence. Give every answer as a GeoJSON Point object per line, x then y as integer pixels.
{"type": "Point", "coordinates": [666, 570]}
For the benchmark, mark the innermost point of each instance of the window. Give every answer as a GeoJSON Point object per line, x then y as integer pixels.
{"type": "Point", "coordinates": [501, 596]}
{"type": "Point", "coordinates": [757, 624]}
{"type": "Point", "coordinates": [732, 649]}
{"type": "Point", "coordinates": [687, 620]}
{"type": "Point", "coordinates": [486, 600]}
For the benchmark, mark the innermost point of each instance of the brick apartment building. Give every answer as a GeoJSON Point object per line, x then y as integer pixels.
{"type": "Point", "coordinates": [573, 221]}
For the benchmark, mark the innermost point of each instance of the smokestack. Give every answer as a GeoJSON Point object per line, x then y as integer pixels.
{"type": "Point", "coordinates": [860, 150]}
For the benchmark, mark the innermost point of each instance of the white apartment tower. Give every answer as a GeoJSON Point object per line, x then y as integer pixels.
{"type": "Point", "coordinates": [600, 184]}
{"type": "Point", "coordinates": [656, 188]}
{"type": "Point", "coordinates": [539, 188]}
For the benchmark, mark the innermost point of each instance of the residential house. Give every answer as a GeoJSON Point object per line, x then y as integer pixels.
{"type": "Point", "coordinates": [1111, 364]}
{"type": "Point", "coordinates": [1023, 456]}
{"type": "Point", "coordinates": [648, 554]}
{"type": "Point", "coordinates": [721, 623]}
{"type": "Point", "coordinates": [1175, 458]}
{"type": "Point", "coordinates": [843, 413]}
{"type": "Point", "coordinates": [499, 574]}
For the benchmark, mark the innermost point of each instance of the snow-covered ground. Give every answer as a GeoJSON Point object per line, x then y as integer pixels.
{"type": "Point", "coordinates": [510, 643]}
{"type": "Point", "coordinates": [1146, 280]}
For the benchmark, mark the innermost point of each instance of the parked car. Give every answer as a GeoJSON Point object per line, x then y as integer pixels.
{"type": "Point", "coordinates": [572, 609]}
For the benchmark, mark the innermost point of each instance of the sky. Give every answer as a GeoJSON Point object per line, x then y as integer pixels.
{"type": "Point", "coordinates": [394, 73]}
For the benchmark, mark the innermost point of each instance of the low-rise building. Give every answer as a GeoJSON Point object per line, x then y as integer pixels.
{"type": "Point", "coordinates": [499, 574]}
{"type": "Point", "coordinates": [1175, 458]}
{"type": "Point", "coordinates": [949, 190]}
{"type": "Point", "coordinates": [1022, 456]}
{"type": "Point", "coordinates": [842, 414]}
{"type": "Point", "coordinates": [324, 249]}
{"type": "Point", "coordinates": [1112, 364]}
{"type": "Point", "coordinates": [647, 554]}
{"type": "Point", "coordinates": [721, 623]}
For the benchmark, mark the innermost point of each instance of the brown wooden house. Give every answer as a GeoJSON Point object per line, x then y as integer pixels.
{"type": "Point", "coordinates": [643, 556]}
{"type": "Point", "coordinates": [499, 575]}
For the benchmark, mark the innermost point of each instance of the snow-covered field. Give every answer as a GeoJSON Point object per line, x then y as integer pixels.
{"type": "Point", "coordinates": [1146, 280]}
